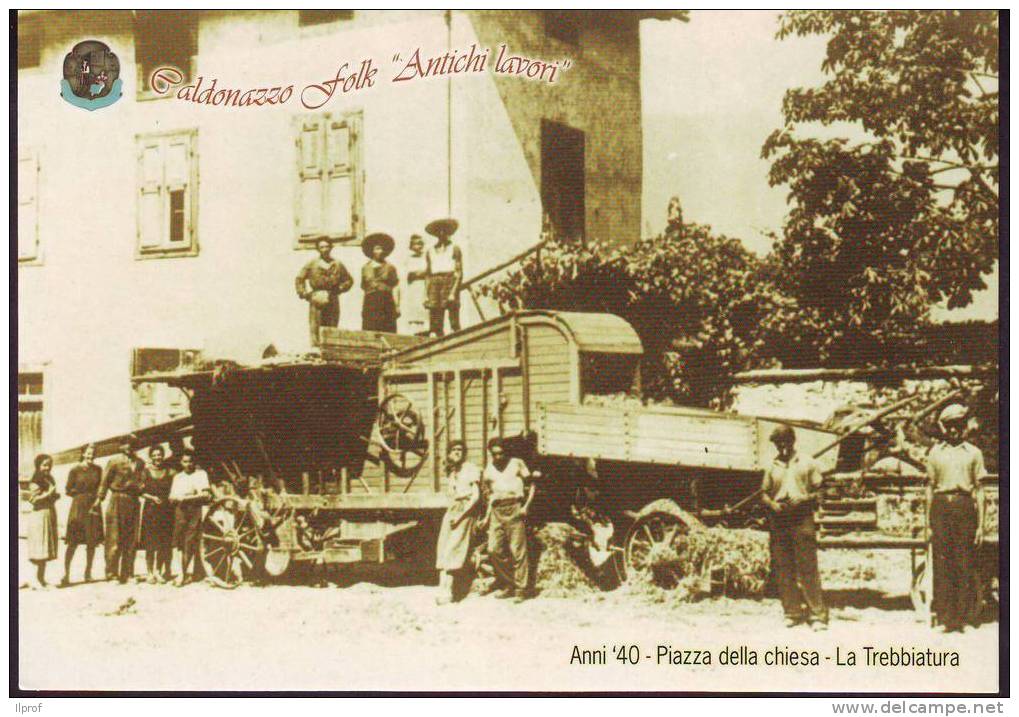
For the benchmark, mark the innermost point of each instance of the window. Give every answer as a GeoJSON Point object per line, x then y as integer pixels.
{"type": "Point", "coordinates": [563, 25]}
{"type": "Point", "coordinates": [154, 403]}
{"type": "Point", "coordinates": [167, 194]}
{"type": "Point", "coordinates": [29, 45]}
{"type": "Point", "coordinates": [320, 17]}
{"type": "Point", "coordinates": [28, 206]}
{"type": "Point", "coordinates": [30, 398]}
{"type": "Point", "coordinates": [329, 177]}
{"type": "Point", "coordinates": [163, 38]}
{"type": "Point", "coordinates": [562, 179]}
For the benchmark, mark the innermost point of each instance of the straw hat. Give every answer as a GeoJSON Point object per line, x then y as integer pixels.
{"type": "Point", "coordinates": [952, 412]}
{"type": "Point", "coordinates": [372, 240]}
{"type": "Point", "coordinates": [442, 227]}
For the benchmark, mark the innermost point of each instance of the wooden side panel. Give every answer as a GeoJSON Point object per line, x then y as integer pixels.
{"type": "Point", "coordinates": [660, 437]}
{"type": "Point", "coordinates": [551, 367]}
{"type": "Point", "coordinates": [495, 345]}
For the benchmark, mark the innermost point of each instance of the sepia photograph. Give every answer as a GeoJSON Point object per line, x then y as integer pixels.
{"type": "Point", "coordinates": [508, 351]}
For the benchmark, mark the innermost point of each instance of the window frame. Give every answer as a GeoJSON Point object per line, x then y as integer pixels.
{"type": "Point", "coordinates": [161, 392]}
{"type": "Point", "coordinates": [164, 250]}
{"type": "Point", "coordinates": [355, 154]}
{"type": "Point", "coordinates": [143, 92]}
{"type": "Point", "coordinates": [320, 23]}
{"type": "Point", "coordinates": [31, 153]}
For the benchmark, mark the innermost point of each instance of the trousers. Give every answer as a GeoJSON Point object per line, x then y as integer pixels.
{"type": "Point", "coordinates": [953, 529]}
{"type": "Point", "coordinates": [794, 563]}
{"type": "Point", "coordinates": [328, 315]}
{"type": "Point", "coordinates": [121, 535]}
{"type": "Point", "coordinates": [507, 543]}
{"type": "Point", "coordinates": [187, 535]}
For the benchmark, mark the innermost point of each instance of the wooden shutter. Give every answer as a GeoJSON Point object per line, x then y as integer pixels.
{"type": "Point", "coordinates": [310, 161]}
{"type": "Point", "coordinates": [151, 214]}
{"type": "Point", "coordinates": [28, 206]}
{"type": "Point", "coordinates": [340, 212]}
{"type": "Point", "coordinates": [178, 179]}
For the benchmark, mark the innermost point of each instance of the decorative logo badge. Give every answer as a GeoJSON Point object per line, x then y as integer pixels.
{"type": "Point", "coordinates": [91, 76]}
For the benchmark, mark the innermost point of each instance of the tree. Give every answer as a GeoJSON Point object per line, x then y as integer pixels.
{"type": "Point", "coordinates": [701, 303]}
{"type": "Point", "coordinates": [905, 216]}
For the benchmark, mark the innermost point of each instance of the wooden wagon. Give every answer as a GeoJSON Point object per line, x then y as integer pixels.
{"type": "Point", "coordinates": [340, 459]}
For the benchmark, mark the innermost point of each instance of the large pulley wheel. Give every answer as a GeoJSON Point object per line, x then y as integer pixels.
{"type": "Point", "coordinates": [232, 549]}
{"type": "Point", "coordinates": [653, 546]}
{"type": "Point", "coordinates": [401, 434]}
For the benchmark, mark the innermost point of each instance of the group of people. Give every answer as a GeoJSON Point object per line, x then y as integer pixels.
{"type": "Point", "coordinates": [955, 516]}
{"type": "Point", "coordinates": [434, 277]}
{"type": "Point", "coordinates": [154, 506]}
{"type": "Point", "coordinates": [157, 507]}
{"type": "Point", "coordinates": [494, 502]}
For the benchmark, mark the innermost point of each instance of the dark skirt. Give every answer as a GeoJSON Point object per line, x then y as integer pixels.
{"type": "Point", "coordinates": [378, 313]}
{"type": "Point", "coordinates": [84, 525]}
{"type": "Point", "coordinates": [157, 526]}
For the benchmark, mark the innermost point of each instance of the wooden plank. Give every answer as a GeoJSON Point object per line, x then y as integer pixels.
{"type": "Point", "coordinates": [863, 374]}
{"type": "Point", "coordinates": [415, 370]}
{"type": "Point", "coordinates": [375, 501]}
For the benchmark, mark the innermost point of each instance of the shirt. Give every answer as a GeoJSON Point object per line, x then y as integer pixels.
{"type": "Point", "coordinates": [157, 481]}
{"type": "Point", "coordinates": [188, 485]}
{"type": "Point", "coordinates": [463, 481]}
{"type": "Point", "coordinates": [121, 476]}
{"type": "Point", "coordinates": [952, 468]}
{"type": "Point", "coordinates": [508, 483]}
{"type": "Point", "coordinates": [332, 277]}
{"type": "Point", "coordinates": [378, 277]}
{"type": "Point", "coordinates": [414, 315]}
{"type": "Point", "coordinates": [793, 480]}
{"type": "Point", "coordinates": [443, 259]}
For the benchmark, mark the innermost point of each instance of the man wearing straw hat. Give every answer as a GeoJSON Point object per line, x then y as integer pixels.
{"type": "Point", "coordinates": [320, 283]}
{"type": "Point", "coordinates": [955, 514]}
{"type": "Point", "coordinates": [445, 274]}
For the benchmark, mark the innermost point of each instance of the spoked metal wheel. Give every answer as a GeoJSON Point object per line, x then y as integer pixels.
{"type": "Point", "coordinates": [401, 433]}
{"type": "Point", "coordinates": [232, 550]}
{"type": "Point", "coordinates": [653, 546]}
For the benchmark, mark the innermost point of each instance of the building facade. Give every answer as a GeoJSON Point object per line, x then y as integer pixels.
{"type": "Point", "coordinates": [157, 227]}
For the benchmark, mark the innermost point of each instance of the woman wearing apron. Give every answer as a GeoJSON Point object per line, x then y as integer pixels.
{"type": "Point", "coordinates": [464, 487]}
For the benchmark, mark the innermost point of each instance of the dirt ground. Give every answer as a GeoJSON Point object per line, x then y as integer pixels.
{"type": "Point", "coordinates": [392, 636]}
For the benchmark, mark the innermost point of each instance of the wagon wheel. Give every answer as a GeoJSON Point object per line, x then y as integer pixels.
{"type": "Point", "coordinates": [232, 550]}
{"type": "Point", "coordinates": [401, 433]}
{"type": "Point", "coordinates": [652, 546]}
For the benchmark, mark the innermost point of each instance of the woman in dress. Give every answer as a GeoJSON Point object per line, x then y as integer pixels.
{"type": "Point", "coordinates": [157, 516]}
{"type": "Point", "coordinates": [380, 284]}
{"type": "Point", "coordinates": [464, 487]}
{"type": "Point", "coordinates": [85, 519]}
{"type": "Point", "coordinates": [42, 521]}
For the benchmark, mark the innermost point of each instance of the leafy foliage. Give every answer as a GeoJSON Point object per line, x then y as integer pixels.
{"type": "Point", "coordinates": [907, 215]}
{"type": "Point", "coordinates": [700, 303]}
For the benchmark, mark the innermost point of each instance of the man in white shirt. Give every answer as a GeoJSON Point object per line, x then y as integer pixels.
{"type": "Point", "coordinates": [445, 275]}
{"type": "Point", "coordinates": [189, 491]}
{"type": "Point", "coordinates": [510, 492]}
